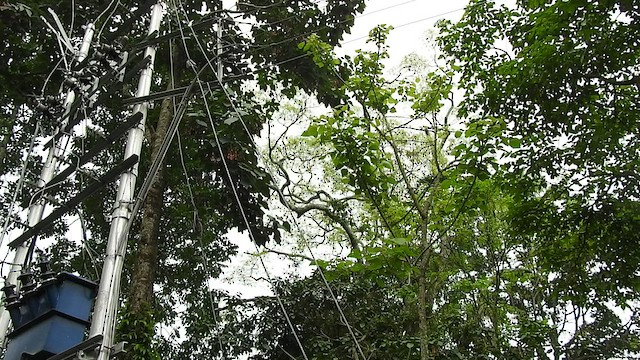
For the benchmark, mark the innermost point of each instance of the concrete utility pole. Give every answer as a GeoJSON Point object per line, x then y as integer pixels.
{"type": "Point", "coordinates": [48, 171]}
{"type": "Point", "coordinates": [107, 300]}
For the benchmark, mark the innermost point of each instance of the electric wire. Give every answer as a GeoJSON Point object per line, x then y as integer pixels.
{"type": "Point", "coordinates": [157, 162]}
{"type": "Point", "coordinates": [299, 35]}
{"type": "Point", "coordinates": [104, 11]}
{"type": "Point", "coordinates": [61, 31]}
{"type": "Point", "coordinates": [246, 221]}
{"type": "Point", "coordinates": [107, 21]}
{"type": "Point", "coordinates": [350, 329]}
{"type": "Point", "coordinates": [203, 254]}
{"type": "Point", "coordinates": [20, 183]}
{"type": "Point", "coordinates": [46, 81]}
{"type": "Point", "coordinates": [411, 23]}
{"type": "Point", "coordinates": [85, 244]}
{"type": "Point", "coordinates": [121, 242]}
{"type": "Point", "coordinates": [196, 217]}
{"type": "Point", "coordinates": [235, 193]}
{"type": "Point", "coordinates": [335, 300]}
{"type": "Point", "coordinates": [40, 192]}
{"type": "Point", "coordinates": [85, 240]}
{"type": "Point", "coordinates": [61, 37]}
{"type": "Point", "coordinates": [310, 53]}
{"type": "Point", "coordinates": [73, 16]}
{"type": "Point", "coordinates": [122, 237]}
{"type": "Point", "coordinates": [244, 125]}
{"type": "Point", "coordinates": [310, 32]}
{"type": "Point", "coordinates": [281, 20]}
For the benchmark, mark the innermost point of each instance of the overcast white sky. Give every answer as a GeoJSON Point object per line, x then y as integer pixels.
{"type": "Point", "coordinates": [411, 19]}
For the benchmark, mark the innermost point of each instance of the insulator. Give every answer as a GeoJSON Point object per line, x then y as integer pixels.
{"type": "Point", "coordinates": [11, 298]}
{"type": "Point", "coordinates": [71, 82]}
{"type": "Point", "coordinates": [44, 264]}
{"type": "Point", "coordinates": [9, 290]}
{"type": "Point", "coordinates": [26, 278]}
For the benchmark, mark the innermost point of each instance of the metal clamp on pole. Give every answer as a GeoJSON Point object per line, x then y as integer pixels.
{"type": "Point", "coordinates": [36, 210]}
{"type": "Point", "coordinates": [107, 300]}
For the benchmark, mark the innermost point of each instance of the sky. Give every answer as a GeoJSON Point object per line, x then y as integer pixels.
{"type": "Point", "coordinates": [412, 21]}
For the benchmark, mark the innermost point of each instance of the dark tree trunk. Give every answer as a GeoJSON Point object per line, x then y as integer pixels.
{"type": "Point", "coordinates": [143, 275]}
{"type": "Point", "coordinates": [7, 132]}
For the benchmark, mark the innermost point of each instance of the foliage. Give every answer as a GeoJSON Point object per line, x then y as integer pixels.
{"type": "Point", "coordinates": [138, 329]}
{"type": "Point", "coordinates": [562, 77]}
{"type": "Point", "coordinates": [199, 206]}
{"type": "Point", "coordinates": [467, 228]}
{"type": "Point", "coordinates": [510, 234]}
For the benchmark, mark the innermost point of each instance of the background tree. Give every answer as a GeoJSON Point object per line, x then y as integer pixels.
{"type": "Point", "coordinates": [190, 205]}
{"type": "Point", "coordinates": [453, 259]}
{"type": "Point", "coordinates": [561, 84]}
{"type": "Point", "coordinates": [507, 235]}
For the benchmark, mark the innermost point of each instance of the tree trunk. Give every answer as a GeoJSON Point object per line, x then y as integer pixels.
{"type": "Point", "coordinates": [143, 275]}
{"type": "Point", "coordinates": [424, 321]}
{"type": "Point", "coordinates": [138, 321]}
{"type": "Point", "coordinates": [6, 136]}
{"type": "Point", "coordinates": [424, 306]}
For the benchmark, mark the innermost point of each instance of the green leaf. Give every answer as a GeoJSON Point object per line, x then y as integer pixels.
{"type": "Point", "coordinates": [312, 131]}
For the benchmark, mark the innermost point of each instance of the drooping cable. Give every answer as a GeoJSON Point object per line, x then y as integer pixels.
{"type": "Point", "coordinates": [300, 35]}
{"type": "Point", "coordinates": [20, 183]}
{"type": "Point", "coordinates": [73, 16]}
{"type": "Point", "coordinates": [196, 217]}
{"type": "Point", "coordinates": [46, 80]}
{"type": "Point", "coordinates": [107, 21]}
{"type": "Point", "coordinates": [61, 33]}
{"type": "Point", "coordinates": [85, 244]}
{"type": "Point", "coordinates": [437, 16]}
{"type": "Point", "coordinates": [203, 254]}
{"type": "Point", "coordinates": [310, 53]}
{"type": "Point", "coordinates": [237, 198]}
{"type": "Point", "coordinates": [104, 11]}
{"type": "Point", "coordinates": [236, 110]}
{"type": "Point", "coordinates": [335, 301]}
{"type": "Point", "coordinates": [246, 221]}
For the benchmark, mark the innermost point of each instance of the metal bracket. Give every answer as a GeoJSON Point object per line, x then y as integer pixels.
{"type": "Point", "coordinates": [71, 203]}
{"type": "Point", "coordinates": [86, 350]}
{"type": "Point", "coordinates": [118, 350]}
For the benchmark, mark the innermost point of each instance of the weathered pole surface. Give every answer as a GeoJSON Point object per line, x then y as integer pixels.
{"type": "Point", "coordinates": [107, 300]}
{"type": "Point", "coordinates": [48, 172]}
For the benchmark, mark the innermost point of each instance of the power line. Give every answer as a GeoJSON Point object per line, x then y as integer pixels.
{"type": "Point", "coordinates": [334, 298]}
{"type": "Point", "coordinates": [310, 53]}
{"type": "Point", "coordinates": [344, 318]}
{"type": "Point", "coordinates": [234, 191]}
{"type": "Point", "coordinates": [196, 217]}
{"type": "Point", "coordinates": [294, 37]}
{"type": "Point", "coordinates": [411, 23]}
{"type": "Point", "coordinates": [20, 183]}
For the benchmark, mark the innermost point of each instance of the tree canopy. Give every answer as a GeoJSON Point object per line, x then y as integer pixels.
{"type": "Point", "coordinates": [481, 205]}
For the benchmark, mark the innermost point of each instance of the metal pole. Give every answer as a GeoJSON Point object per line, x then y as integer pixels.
{"type": "Point", "coordinates": [82, 54]}
{"type": "Point", "coordinates": [48, 171]}
{"type": "Point", "coordinates": [219, 50]}
{"type": "Point", "coordinates": [107, 300]}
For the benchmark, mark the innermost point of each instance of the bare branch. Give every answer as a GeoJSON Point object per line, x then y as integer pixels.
{"type": "Point", "coordinates": [290, 255]}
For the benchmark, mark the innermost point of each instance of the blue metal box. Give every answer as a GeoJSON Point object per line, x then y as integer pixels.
{"type": "Point", "coordinates": [50, 318]}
